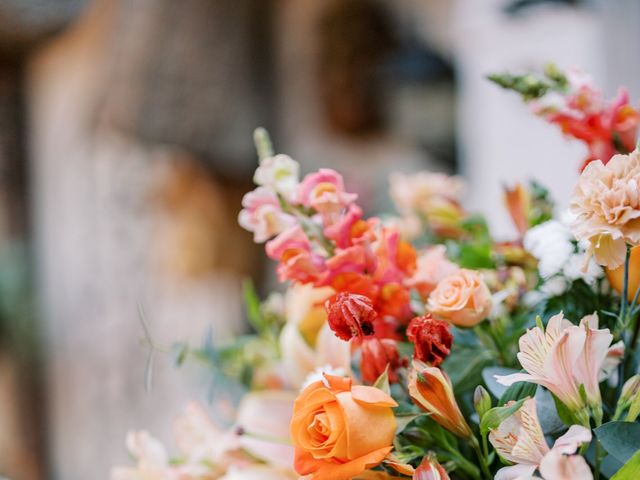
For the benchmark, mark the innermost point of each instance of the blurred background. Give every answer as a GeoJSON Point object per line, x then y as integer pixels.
{"type": "Point", "coordinates": [126, 146]}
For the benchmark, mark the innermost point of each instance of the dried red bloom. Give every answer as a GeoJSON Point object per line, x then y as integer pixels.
{"type": "Point", "coordinates": [431, 339]}
{"type": "Point", "coordinates": [350, 315]}
{"type": "Point", "coordinates": [376, 355]}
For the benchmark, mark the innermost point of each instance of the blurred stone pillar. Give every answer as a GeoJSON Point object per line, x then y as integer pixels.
{"type": "Point", "coordinates": [499, 139]}
{"type": "Point", "coordinates": [141, 117]}
{"type": "Point", "coordinates": [23, 25]}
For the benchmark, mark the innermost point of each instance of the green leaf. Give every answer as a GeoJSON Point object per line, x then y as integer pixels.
{"type": "Point", "coordinates": [563, 412]}
{"type": "Point", "coordinates": [252, 304]}
{"type": "Point", "coordinates": [518, 391]}
{"type": "Point", "coordinates": [383, 381]}
{"type": "Point", "coordinates": [620, 439]}
{"type": "Point", "coordinates": [630, 470]}
{"type": "Point", "coordinates": [179, 352]}
{"type": "Point", "coordinates": [488, 375]}
{"type": "Point", "coordinates": [402, 421]}
{"type": "Point", "coordinates": [494, 417]}
{"type": "Point", "coordinates": [465, 365]}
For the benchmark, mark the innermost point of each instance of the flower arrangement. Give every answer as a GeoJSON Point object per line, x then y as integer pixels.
{"type": "Point", "coordinates": [419, 346]}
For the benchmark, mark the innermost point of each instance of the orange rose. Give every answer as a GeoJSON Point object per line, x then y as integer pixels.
{"type": "Point", "coordinates": [462, 298]}
{"type": "Point", "coordinates": [339, 431]}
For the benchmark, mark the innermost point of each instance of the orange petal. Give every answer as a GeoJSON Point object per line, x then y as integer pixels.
{"type": "Point", "coordinates": [338, 384]}
{"type": "Point", "coordinates": [348, 470]}
{"type": "Point", "coordinates": [372, 396]}
{"type": "Point", "coordinates": [369, 427]}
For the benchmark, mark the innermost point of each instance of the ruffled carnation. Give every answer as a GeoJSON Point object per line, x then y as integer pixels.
{"type": "Point", "coordinates": [606, 203]}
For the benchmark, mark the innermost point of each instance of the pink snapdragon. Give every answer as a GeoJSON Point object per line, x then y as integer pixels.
{"type": "Point", "coordinates": [263, 215]}
{"type": "Point", "coordinates": [292, 248]}
{"type": "Point", "coordinates": [324, 192]}
{"type": "Point", "coordinates": [519, 439]}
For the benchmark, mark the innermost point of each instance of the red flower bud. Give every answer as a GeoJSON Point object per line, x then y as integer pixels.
{"type": "Point", "coordinates": [350, 315]}
{"type": "Point", "coordinates": [431, 338]}
{"type": "Point", "coordinates": [376, 355]}
{"type": "Point", "coordinates": [430, 469]}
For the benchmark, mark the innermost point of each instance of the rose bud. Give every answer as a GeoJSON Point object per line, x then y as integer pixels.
{"type": "Point", "coordinates": [350, 315]}
{"type": "Point", "coordinates": [431, 339]}
{"type": "Point", "coordinates": [377, 354]}
{"type": "Point", "coordinates": [430, 469]}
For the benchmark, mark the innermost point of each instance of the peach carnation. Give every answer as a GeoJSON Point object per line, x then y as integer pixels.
{"type": "Point", "coordinates": [606, 204]}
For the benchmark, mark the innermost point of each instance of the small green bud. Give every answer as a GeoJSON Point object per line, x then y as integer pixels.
{"type": "Point", "coordinates": [481, 400]}
{"type": "Point", "coordinates": [630, 389]}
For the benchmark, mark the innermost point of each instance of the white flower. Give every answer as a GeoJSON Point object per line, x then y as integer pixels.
{"type": "Point", "coordinates": [318, 375]}
{"type": "Point", "coordinates": [550, 242]}
{"type": "Point", "coordinates": [281, 173]}
{"type": "Point", "coordinates": [574, 269]}
{"type": "Point", "coordinates": [554, 286]}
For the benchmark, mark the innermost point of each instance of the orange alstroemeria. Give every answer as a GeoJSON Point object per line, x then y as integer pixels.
{"type": "Point", "coordinates": [340, 430]}
{"type": "Point", "coordinates": [431, 390]}
{"type": "Point", "coordinates": [518, 202]}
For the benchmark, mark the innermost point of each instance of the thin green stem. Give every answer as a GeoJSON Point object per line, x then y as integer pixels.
{"type": "Point", "coordinates": [623, 322]}
{"type": "Point", "coordinates": [599, 452]}
{"type": "Point", "coordinates": [464, 464]}
{"type": "Point", "coordinates": [481, 458]}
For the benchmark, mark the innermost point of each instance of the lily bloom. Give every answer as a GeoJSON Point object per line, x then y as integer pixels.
{"type": "Point", "coordinates": [519, 440]}
{"type": "Point", "coordinates": [431, 390]}
{"type": "Point", "coordinates": [562, 357]}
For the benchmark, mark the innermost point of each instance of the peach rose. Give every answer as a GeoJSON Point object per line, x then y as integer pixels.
{"type": "Point", "coordinates": [462, 298]}
{"type": "Point", "coordinates": [431, 267]}
{"type": "Point", "coordinates": [606, 205]}
{"type": "Point", "coordinates": [340, 430]}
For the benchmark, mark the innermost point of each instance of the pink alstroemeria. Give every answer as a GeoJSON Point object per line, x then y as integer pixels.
{"type": "Point", "coordinates": [556, 466]}
{"type": "Point", "coordinates": [519, 439]}
{"type": "Point", "coordinates": [589, 365]}
{"type": "Point", "coordinates": [263, 215]}
{"type": "Point", "coordinates": [324, 191]}
{"type": "Point", "coordinates": [563, 357]}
